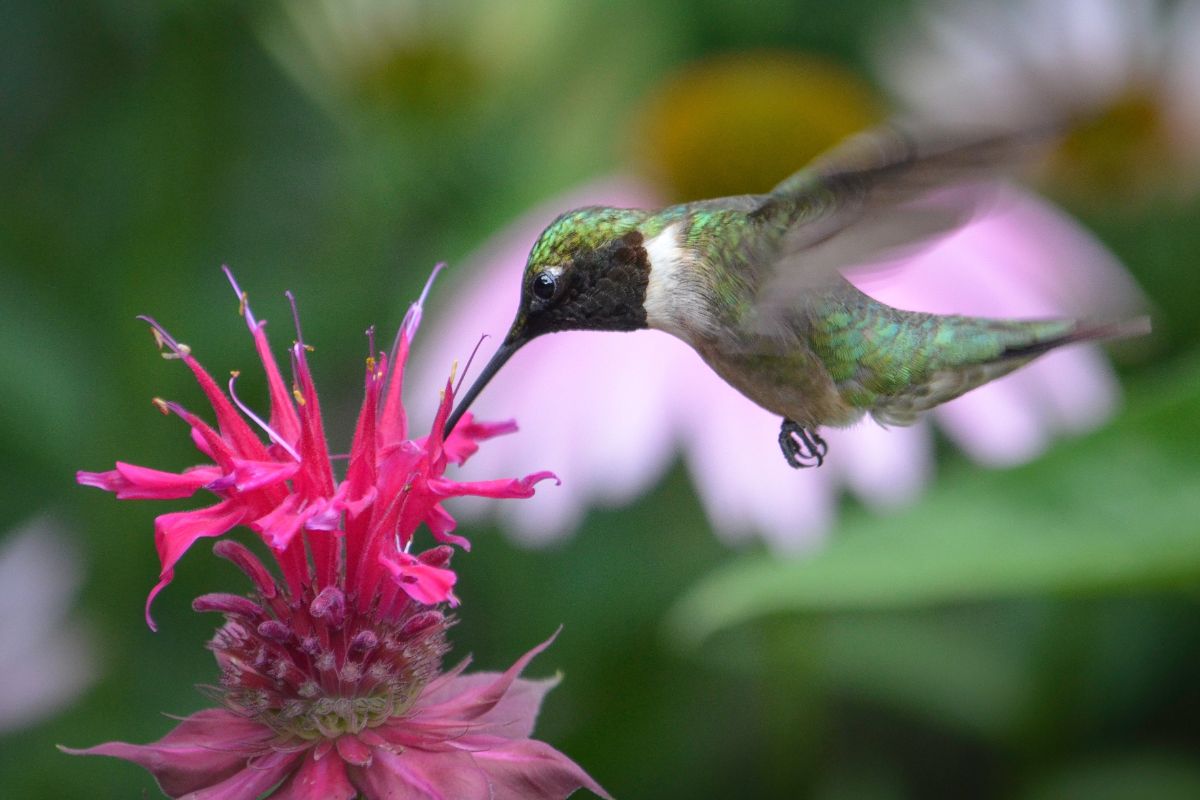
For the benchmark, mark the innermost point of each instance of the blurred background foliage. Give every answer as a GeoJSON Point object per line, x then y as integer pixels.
{"type": "Point", "coordinates": [1030, 633]}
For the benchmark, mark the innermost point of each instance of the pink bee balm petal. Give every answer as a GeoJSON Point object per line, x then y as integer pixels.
{"type": "Point", "coordinates": [131, 482]}
{"type": "Point", "coordinates": [475, 701]}
{"type": "Point", "coordinates": [283, 415]}
{"type": "Point", "coordinates": [175, 533]}
{"type": "Point", "coordinates": [203, 750]}
{"type": "Point", "coordinates": [280, 526]}
{"type": "Point", "coordinates": [514, 716]}
{"type": "Point", "coordinates": [501, 488]}
{"type": "Point", "coordinates": [414, 774]}
{"type": "Point", "coordinates": [321, 778]}
{"type": "Point", "coordinates": [231, 425]}
{"type": "Point", "coordinates": [422, 582]}
{"type": "Point", "coordinates": [251, 782]}
{"type": "Point", "coordinates": [463, 441]}
{"type": "Point", "coordinates": [353, 750]}
{"type": "Point", "coordinates": [527, 769]}
{"type": "Point", "coordinates": [249, 475]}
{"type": "Point", "coordinates": [201, 443]}
{"type": "Point", "coordinates": [442, 525]}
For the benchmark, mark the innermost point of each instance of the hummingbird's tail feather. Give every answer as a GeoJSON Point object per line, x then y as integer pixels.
{"type": "Point", "coordinates": [981, 350]}
{"type": "Point", "coordinates": [1083, 331]}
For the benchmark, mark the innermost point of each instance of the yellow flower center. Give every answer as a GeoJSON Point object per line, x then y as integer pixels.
{"type": "Point", "coordinates": [742, 123]}
{"type": "Point", "coordinates": [1123, 150]}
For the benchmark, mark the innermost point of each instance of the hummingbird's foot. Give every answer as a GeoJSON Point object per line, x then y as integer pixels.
{"type": "Point", "coordinates": [801, 447]}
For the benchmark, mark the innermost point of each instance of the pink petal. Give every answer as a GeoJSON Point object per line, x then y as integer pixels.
{"type": "Point", "coordinates": [250, 782]}
{"type": "Point", "coordinates": [174, 533]}
{"type": "Point", "coordinates": [318, 779]}
{"type": "Point", "coordinates": [315, 477]}
{"type": "Point", "coordinates": [420, 581]}
{"type": "Point", "coordinates": [201, 443]}
{"type": "Point", "coordinates": [233, 428]}
{"type": "Point", "coordinates": [281, 524]}
{"type": "Point", "coordinates": [393, 421]}
{"type": "Point", "coordinates": [500, 488]}
{"type": "Point", "coordinates": [248, 475]}
{"type": "Point", "coordinates": [464, 439]}
{"type": "Point", "coordinates": [361, 472]}
{"type": "Point", "coordinates": [48, 654]}
{"type": "Point", "coordinates": [283, 414]}
{"type": "Point", "coordinates": [472, 702]}
{"type": "Point", "coordinates": [416, 774]}
{"type": "Point", "coordinates": [131, 482]}
{"type": "Point", "coordinates": [514, 716]}
{"type": "Point", "coordinates": [205, 749]}
{"type": "Point", "coordinates": [352, 750]}
{"type": "Point", "coordinates": [885, 467]}
{"type": "Point", "coordinates": [442, 525]}
{"type": "Point", "coordinates": [526, 769]}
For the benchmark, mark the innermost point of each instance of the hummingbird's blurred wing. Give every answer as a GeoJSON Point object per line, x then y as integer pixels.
{"type": "Point", "coordinates": [874, 198]}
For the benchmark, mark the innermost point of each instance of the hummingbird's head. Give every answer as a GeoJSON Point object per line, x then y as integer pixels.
{"type": "Point", "coordinates": [588, 271]}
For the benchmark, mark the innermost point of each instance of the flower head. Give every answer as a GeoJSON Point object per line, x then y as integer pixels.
{"type": "Point", "coordinates": [1124, 74]}
{"type": "Point", "coordinates": [321, 701]}
{"type": "Point", "coordinates": [285, 489]}
{"type": "Point", "coordinates": [331, 678]}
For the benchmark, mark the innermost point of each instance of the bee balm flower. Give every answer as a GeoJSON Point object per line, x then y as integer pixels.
{"type": "Point", "coordinates": [331, 678]}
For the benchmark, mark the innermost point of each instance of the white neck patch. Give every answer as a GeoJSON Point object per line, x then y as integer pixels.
{"type": "Point", "coordinates": [676, 296]}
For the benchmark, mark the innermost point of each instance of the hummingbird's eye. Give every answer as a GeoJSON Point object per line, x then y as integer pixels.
{"type": "Point", "coordinates": [544, 286]}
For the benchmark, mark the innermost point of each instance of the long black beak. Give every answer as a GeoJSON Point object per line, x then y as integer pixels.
{"type": "Point", "coordinates": [512, 343]}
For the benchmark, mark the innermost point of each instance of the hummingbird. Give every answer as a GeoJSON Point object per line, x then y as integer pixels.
{"type": "Point", "coordinates": [752, 284]}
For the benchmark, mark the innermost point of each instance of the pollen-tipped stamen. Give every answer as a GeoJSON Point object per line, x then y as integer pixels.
{"type": "Point", "coordinates": [161, 338]}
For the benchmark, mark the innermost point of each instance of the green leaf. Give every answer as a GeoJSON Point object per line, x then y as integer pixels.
{"type": "Point", "coordinates": [1163, 776]}
{"type": "Point", "coordinates": [1118, 510]}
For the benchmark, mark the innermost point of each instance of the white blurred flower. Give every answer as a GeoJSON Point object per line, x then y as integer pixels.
{"type": "Point", "coordinates": [1128, 71]}
{"type": "Point", "coordinates": [408, 55]}
{"type": "Point", "coordinates": [46, 657]}
{"type": "Point", "coordinates": [608, 412]}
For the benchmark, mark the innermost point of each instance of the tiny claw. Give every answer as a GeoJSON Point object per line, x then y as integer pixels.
{"type": "Point", "coordinates": [801, 447]}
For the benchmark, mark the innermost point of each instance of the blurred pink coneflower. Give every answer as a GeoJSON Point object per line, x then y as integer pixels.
{"type": "Point", "coordinates": [47, 656]}
{"type": "Point", "coordinates": [1123, 76]}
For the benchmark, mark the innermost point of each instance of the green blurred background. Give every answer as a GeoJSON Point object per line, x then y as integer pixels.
{"type": "Point", "coordinates": [1028, 633]}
